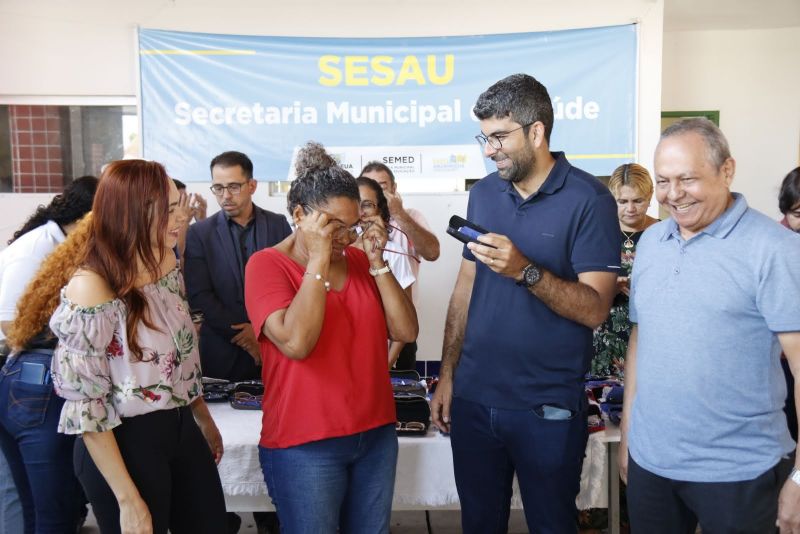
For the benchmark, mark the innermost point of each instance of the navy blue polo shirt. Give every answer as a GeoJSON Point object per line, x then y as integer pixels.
{"type": "Point", "coordinates": [517, 353]}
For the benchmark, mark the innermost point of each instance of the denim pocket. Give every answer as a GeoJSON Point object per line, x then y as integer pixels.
{"type": "Point", "coordinates": [27, 403]}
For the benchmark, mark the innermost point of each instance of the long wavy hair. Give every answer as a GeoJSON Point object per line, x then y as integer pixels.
{"type": "Point", "coordinates": [131, 208]}
{"type": "Point", "coordinates": [41, 296]}
{"type": "Point", "coordinates": [64, 209]}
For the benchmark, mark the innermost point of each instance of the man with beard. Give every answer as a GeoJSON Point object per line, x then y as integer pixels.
{"type": "Point", "coordinates": [520, 320]}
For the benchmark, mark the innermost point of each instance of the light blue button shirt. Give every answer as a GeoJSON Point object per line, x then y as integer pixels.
{"type": "Point", "coordinates": [710, 389]}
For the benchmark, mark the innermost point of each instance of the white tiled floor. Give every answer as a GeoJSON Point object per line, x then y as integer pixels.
{"type": "Point", "coordinates": [442, 522]}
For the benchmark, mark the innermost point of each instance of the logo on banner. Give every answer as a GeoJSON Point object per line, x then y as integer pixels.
{"type": "Point", "coordinates": [408, 164]}
{"type": "Point", "coordinates": [343, 162]}
{"type": "Point", "coordinates": [453, 162]}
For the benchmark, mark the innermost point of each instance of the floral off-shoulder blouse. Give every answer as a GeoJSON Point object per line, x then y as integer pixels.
{"type": "Point", "coordinates": [92, 368]}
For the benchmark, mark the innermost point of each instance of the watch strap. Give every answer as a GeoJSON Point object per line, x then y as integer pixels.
{"type": "Point", "coordinates": [383, 270]}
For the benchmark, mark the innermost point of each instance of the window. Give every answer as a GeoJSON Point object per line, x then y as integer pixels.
{"type": "Point", "coordinates": [44, 147]}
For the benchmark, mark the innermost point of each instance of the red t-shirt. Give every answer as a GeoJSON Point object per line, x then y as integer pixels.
{"type": "Point", "coordinates": [342, 387]}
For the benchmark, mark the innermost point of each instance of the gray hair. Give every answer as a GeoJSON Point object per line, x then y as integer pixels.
{"type": "Point", "coordinates": [519, 96]}
{"type": "Point", "coordinates": [715, 140]}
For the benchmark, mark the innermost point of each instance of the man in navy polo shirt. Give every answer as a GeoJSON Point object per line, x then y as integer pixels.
{"type": "Point", "coordinates": [714, 299]}
{"type": "Point", "coordinates": [518, 337]}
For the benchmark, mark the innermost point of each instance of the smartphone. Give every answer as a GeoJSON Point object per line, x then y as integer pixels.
{"type": "Point", "coordinates": [465, 231]}
{"type": "Point", "coordinates": [34, 373]}
{"type": "Point", "coordinates": [554, 413]}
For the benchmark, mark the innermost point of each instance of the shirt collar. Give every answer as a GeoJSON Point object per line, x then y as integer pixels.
{"type": "Point", "coordinates": [231, 222]}
{"type": "Point", "coordinates": [722, 225]}
{"type": "Point", "coordinates": [553, 182]}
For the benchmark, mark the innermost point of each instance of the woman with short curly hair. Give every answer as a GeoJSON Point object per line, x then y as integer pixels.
{"type": "Point", "coordinates": [323, 310]}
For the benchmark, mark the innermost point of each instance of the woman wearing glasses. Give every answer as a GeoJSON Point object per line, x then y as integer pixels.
{"type": "Point", "coordinates": [398, 252]}
{"type": "Point", "coordinates": [323, 310]}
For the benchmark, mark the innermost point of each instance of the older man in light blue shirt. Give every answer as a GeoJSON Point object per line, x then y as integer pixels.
{"type": "Point", "coordinates": [715, 297]}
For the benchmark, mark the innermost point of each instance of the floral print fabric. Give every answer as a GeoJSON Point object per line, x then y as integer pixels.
{"type": "Point", "coordinates": [93, 370]}
{"type": "Point", "coordinates": [611, 338]}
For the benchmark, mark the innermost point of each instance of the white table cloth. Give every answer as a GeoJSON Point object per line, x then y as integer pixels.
{"type": "Point", "coordinates": [424, 467]}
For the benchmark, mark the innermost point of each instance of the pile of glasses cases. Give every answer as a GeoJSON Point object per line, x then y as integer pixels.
{"type": "Point", "coordinates": [245, 395]}
{"type": "Point", "coordinates": [413, 410]}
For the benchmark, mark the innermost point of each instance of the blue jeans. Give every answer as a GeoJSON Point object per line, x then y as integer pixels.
{"type": "Point", "coordinates": [40, 458]}
{"type": "Point", "coordinates": [342, 483]}
{"type": "Point", "coordinates": [10, 506]}
{"type": "Point", "coordinates": [491, 444]}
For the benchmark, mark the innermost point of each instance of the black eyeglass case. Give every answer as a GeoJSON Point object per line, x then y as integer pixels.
{"type": "Point", "coordinates": [410, 403]}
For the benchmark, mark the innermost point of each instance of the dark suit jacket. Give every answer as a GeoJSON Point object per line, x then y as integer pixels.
{"type": "Point", "coordinates": [215, 286]}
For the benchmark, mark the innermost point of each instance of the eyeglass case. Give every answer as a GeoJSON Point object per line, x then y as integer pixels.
{"type": "Point", "coordinates": [410, 402]}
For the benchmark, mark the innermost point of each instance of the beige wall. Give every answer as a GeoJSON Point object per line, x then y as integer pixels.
{"type": "Point", "coordinates": [752, 78]}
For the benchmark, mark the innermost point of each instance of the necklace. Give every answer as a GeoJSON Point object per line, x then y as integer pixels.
{"type": "Point", "coordinates": [628, 244]}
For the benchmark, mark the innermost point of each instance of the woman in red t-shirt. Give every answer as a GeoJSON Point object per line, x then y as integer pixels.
{"type": "Point", "coordinates": [323, 310]}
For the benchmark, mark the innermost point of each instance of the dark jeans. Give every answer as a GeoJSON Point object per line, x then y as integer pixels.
{"type": "Point", "coordinates": [343, 483]}
{"type": "Point", "coordinates": [407, 360]}
{"type": "Point", "coordinates": [39, 457]}
{"type": "Point", "coordinates": [491, 444]}
{"type": "Point", "coordinates": [789, 408]}
{"type": "Point", "coordinates": [173, 469]}
{"type": "Point", "coordinates": [659, 505]}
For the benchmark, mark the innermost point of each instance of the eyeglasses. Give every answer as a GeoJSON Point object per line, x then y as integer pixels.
{"type": "Point", "coordinates": [494, 141]}
{"type": "Point", "coordinates": [351, 232]}
{"type": "Point", "coordinates": [234, 189]}
{"type": "Point", "coordinates": [410, 426]}
{"type": "Point", "coordinates": [368, 205]}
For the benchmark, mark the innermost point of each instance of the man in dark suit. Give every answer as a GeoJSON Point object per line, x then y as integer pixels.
{"type": "Point", "coordinates": [217, 249]}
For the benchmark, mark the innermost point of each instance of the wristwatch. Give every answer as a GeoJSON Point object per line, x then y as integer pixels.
{"type": "Point", "coordinates": [795, 476]}
{"type": "Point", "coordinates": [383, 270]}
{"type": "Point", "coordinates": [531, 275]}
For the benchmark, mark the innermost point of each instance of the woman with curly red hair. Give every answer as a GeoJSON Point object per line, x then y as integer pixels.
{"type": "Point", "coordinates": [39, 461]}
{"type": "Point", "coordinates": [127, 364]}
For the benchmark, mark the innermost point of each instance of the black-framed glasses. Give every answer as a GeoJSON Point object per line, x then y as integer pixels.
{"type": "Point", "coordinates": [234, 188]}
{"type": "Point", "coordinates": [494, 141]}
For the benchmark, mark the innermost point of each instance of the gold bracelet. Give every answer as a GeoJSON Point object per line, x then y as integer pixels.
{"type": "Point", "coordinates": [318, 276]}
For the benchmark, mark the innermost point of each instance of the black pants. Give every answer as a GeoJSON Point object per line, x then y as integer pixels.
{"type": "Point", "coordinates": [173, 469]}
{"type": "Point", "coordinates": [660, 505]}
{"type": "Point", "coordinates": [407, 360]}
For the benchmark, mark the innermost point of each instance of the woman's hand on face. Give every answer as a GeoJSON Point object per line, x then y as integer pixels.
{"type": "Point", "coordinates": [317, 232]}
{"type": "Point", "coordinates": [373, 239]}
{"type": "Point", "coordinates": [134, 517]}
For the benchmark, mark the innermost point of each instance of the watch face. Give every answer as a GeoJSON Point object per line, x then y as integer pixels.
{"type": "Point", "coordinates": [532, 275]}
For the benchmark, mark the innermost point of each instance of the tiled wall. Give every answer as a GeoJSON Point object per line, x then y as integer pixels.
{"type": "Point", "coordinates": [36, 149]}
